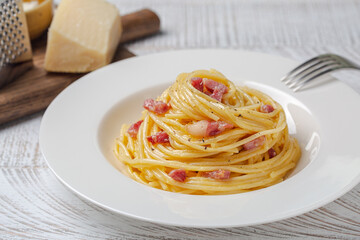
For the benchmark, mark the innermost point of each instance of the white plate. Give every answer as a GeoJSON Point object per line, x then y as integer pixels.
{"type": "Point", "coordinates": [79, 127]}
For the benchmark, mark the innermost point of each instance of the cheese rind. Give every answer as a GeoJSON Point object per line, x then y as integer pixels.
{"type": "Point", "coordinates": [83, 36]}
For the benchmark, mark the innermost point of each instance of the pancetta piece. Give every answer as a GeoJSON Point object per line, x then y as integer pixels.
{"type": "Point", "coordinates": [134, 129]}
{"type": "Point", "coordinates": [266, 108]}
{"type": "Point", "coordinates": [210, 87]}
{"type": "Point", "coordinates": [272, 153]}
{"type": "Point", "coordinates": [197, 83]}
{"type": "Point", "coordinates": [257, 142]}
{"type": "Point", "coordinates": [205, 128]}
{"type": "Point", "coordinates": [178, 175]}
{"type": "Point", "coordinates": [160, 137]}
{"type": "Point", "coordinates": [158, 107]}
{"type": "Point", "coordinates": [217, 89]}
{"type": "Point", "coordinates": [219, 174]}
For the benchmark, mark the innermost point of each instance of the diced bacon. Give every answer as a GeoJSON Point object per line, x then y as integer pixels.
{"type": "Point", "coordinates": [257, 142]}
{"type": "Point", "coordinates": [272, 153]}
{"type": "Point", "coordinates": [224, 125]}
{"type": "Point", "coordinates": [160, 137]}
{"type": "Point", "coordinates": [219, 174]}
{"type": "Point", "coordinates": [178, 175]}
{"type": "Point", "coordinates": [197, 83]}
{"type": "Point", "coordinates": [212, 129]}
{"type": "Point", "coordinates": [266, 108]}
{"type": "Point", "coordinates": [211, 84]}
{"type": "Point", "coordinates": [215, 128]}
{"type": "Point", "coordinates": [210, 87]}
{"type": "Point", "coordinates": [219, 92]}
{"type": "Point", "coordinates": [217, 89]}
{"type": "Point", "coordinates": [134, 128]}
{"type": "Point", "coordinates": [158, 107]}
{"type": "Point", "coordinates": [205, 128]}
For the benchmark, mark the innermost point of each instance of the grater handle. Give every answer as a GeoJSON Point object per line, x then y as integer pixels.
{"type": "Point", "coordinates": [139, 24]}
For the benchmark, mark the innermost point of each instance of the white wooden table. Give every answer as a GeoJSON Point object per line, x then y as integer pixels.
{"type": "Point", "coordinates": [35, 205]}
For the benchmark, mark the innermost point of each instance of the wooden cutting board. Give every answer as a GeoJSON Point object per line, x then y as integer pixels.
{"type": "Point", "coordinates": [35, 89]}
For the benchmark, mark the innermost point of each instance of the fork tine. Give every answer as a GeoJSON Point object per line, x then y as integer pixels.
{"type": "Point", "coordinates": [312, 72]}
{"type": "Point", "coordinates": [309, 77]}
{"type": "Point", "coordinates": [317, 65]}
{"type": "Point", "coordinates": [303, 83]}
{"type": "Point", "coordinates": [315, 68]}
{"type": "Point", "coordinates": [310, 61]}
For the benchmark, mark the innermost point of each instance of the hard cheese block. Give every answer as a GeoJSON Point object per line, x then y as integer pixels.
{"type": "Point", "coordinates": [83, 36]}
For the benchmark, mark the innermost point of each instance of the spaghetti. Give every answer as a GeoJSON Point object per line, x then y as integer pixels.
{"type": "Point", "coordinates": [204, 135]}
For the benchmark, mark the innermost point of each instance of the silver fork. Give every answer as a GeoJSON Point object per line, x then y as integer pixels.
{"type": "Point", "coordinates": [315, 68]}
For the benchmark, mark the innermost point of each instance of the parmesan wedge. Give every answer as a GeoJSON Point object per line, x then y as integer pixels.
{"type": "Point", "coordinates": [83, 36]}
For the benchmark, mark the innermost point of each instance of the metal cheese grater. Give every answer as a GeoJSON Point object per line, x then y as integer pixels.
{"type": "Point", "coordinates": [15, 47]}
